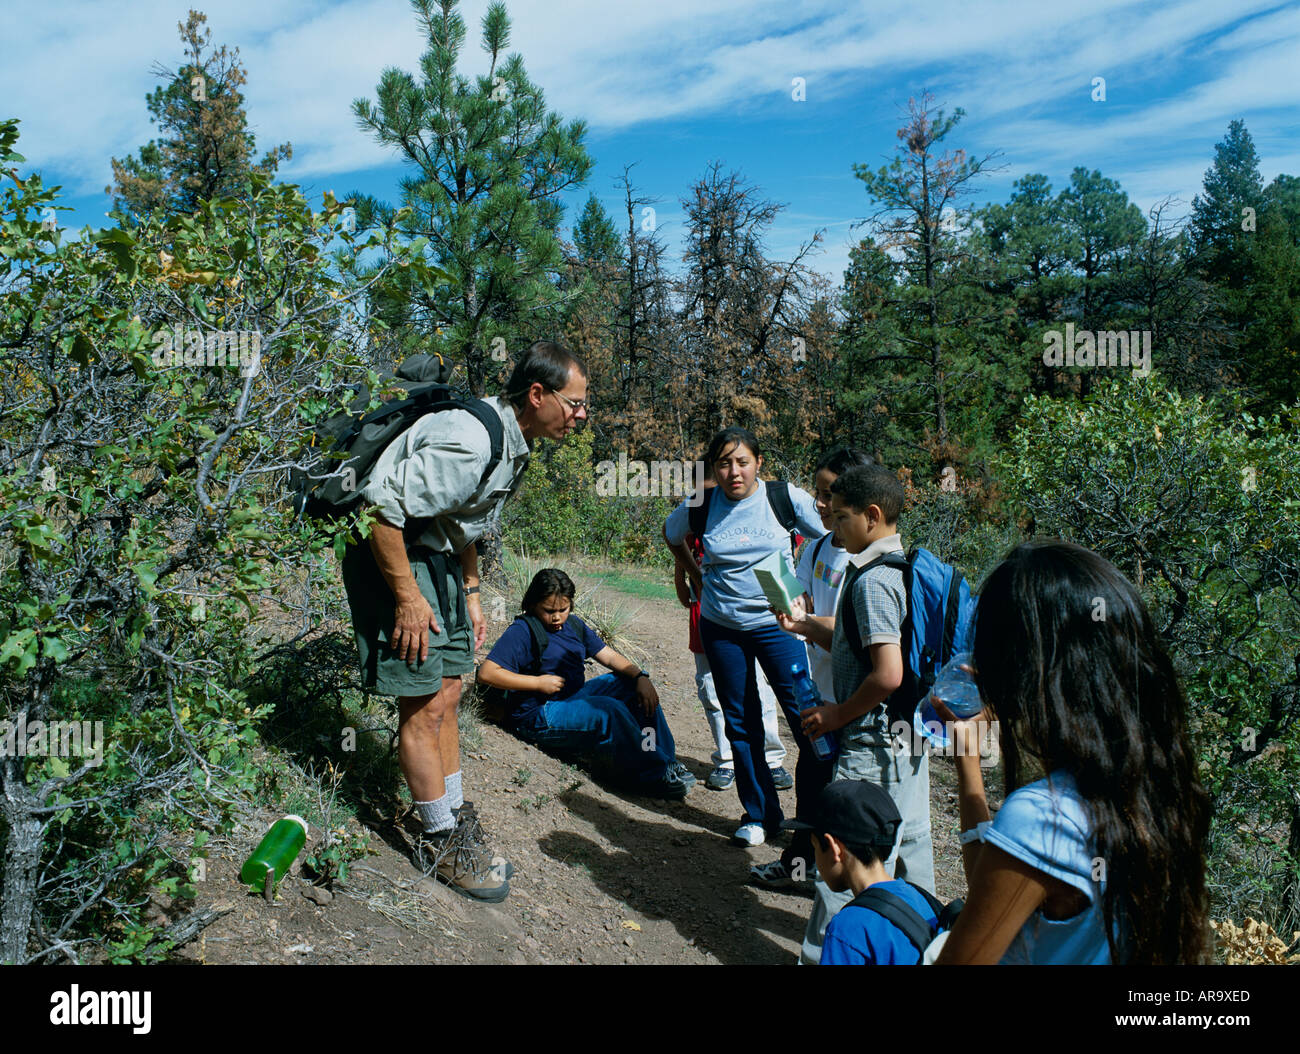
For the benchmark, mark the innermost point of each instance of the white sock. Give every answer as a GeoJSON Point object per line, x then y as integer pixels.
{"type": "Point", "coordinates": [436, 815]}
{"type": "Point", "coordinates": [455, 796]}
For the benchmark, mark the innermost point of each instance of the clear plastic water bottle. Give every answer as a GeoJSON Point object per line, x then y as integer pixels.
{"type": "Point", "coordinates": [806, 696]}
{"type": "Point", "coordinates": [956, 686]}
{"type": "Point", "coordinates": [275, 854]}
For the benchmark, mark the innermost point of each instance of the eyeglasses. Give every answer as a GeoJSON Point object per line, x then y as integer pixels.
{"type": "Point", "coordinates": [576, 405]}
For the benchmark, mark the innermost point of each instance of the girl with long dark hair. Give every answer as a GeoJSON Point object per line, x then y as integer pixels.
{"type": "Point", "coordinates": [1098, 853]}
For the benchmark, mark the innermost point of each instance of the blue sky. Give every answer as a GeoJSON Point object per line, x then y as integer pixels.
{"type": "Point", "coordinates": [675, 84]}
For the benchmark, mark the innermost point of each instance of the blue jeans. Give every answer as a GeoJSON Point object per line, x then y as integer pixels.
{"type": "Point", "coordinates": [604, 719]}
{"type": "Point", "coordinates": [732, 653]}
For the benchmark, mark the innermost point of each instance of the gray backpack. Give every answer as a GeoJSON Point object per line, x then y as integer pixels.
{"type": "Point", "coordinates": [350, 443]}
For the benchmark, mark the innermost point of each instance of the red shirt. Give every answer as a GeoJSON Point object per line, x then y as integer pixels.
{"type": "Point", "coordinates": [693, 642]}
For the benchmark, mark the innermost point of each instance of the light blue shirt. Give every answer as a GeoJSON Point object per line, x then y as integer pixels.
{"type": "Point", "coordinates": [1046, 825]}
{"type": "Point", "coordinates": [434, 471]}
{"type": "Point", "coordinates": [737, 535]}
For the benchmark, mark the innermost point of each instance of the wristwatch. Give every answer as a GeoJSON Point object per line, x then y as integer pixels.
{"type": "Point", "coordinates": [471, 591]}
{"type": "Point", "coordinates": [642, 673]}
{"type": "Point", "coordinates": [975, 833]}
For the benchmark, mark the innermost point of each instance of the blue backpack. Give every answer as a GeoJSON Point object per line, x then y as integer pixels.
{"type": "Point", "coordinates": [940, 622]}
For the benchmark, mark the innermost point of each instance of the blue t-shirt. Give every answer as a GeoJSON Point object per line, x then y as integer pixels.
{"type": "Point", "coordinates": [564, 656]}
{"type": "Point", "coordinates": [863, 937]}
{"type": "Point", "coordinates": [1046, 825]}
{"type": "Point", "coordinates": [737, 535]}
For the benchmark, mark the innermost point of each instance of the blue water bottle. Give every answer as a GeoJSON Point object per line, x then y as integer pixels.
{"type": "Point", "coordinates": [807, 696]}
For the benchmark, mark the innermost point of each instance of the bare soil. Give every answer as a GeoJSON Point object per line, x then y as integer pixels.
{"type": "Point", "coordinates": [600, 876]}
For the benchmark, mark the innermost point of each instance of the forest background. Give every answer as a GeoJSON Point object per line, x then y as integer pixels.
{"type": "Point", "coordinates": [154, 578]}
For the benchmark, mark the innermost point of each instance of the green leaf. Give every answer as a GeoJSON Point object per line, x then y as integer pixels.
{"type": "Point", "coordinates": [21, 647]}
{"type": "Point", "coordinates": [121, 246]}
{"type": "Point", "coordinates": [82, 350]}
{"type": "Point", "coordinates": [54, 648]}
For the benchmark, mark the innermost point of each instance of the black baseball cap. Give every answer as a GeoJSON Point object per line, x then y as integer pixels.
{"type": "Point", "coordinates": [857, 812]}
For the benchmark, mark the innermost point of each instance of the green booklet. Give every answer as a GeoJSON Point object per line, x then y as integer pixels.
{"type": "Point", "coordinates": [780, 587]}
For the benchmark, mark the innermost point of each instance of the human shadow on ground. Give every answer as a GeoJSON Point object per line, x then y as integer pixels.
{"type": "Point", "coordinates": [695, 880]}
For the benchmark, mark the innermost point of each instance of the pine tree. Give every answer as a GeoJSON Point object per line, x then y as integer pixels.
{"type": "Point", "coordinates": [1272, 296]}
{"type": "Point", "coordinates": [918, 224]}
{"type": "Point", "coordinates": [489, 163]}
{"type": "Point", "coordinates": [743, 343]}
{"type": "Point", "coordinates": [1220, 224]}
{"type": "Point", "coordinates": [1246, 242]}
{"type": "Point", "coordinates": [1103, 227]}
{"type": "Point", "coordinates": [1034, 248]}
{"type": "Point", "coordinates": [595, 236]}
{"type": "Point", "coordinates": [206, 149]}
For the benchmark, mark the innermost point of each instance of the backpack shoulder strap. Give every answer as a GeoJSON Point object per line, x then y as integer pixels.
{"type": "Point", "coordinates": [936, 905]}
{"type": "Point", "coordinates": [491, 421]}
{"type": "Point", "coordinates": [697, 516]}
{"type": "Point", "coordinates": [436, 397]}
{"type": "Point", "coordinates": [778, 496]}
{"type": "Point", "coordinates": [848, 614]}
{"type": "Point", "coordinates": [894, 559]}
{"type": "Point", "coordinates": [897, 911]}
{"type": "Point", "coordinates": [541, 638]}
{"type": "Point", "coordinates": [817, 549]}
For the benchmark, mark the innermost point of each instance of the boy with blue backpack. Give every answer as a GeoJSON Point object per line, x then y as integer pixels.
{"type": "Point", "coordinates": [899, 619]}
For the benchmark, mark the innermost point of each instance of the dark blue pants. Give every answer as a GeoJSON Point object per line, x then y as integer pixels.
{"type": "Point", "coordinates": [604, 720]}
{"type": "Point", "coordinates": [731, 653]}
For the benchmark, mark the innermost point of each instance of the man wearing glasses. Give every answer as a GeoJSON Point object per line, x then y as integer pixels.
{"type": "Point", "coordinates": [414, 590]}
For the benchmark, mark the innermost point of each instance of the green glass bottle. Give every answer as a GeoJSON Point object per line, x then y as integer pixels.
{"type": "Point", "coordinates": [275, 854]}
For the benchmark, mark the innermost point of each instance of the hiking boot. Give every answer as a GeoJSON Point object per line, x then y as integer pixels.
{"type": "Point", "coordinates": [467, 815]}
{"type": "Point", "coordinates": [459, 859]}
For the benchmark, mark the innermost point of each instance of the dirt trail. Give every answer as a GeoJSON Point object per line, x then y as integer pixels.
{"type": "Point", "coordinates": [601, 876]}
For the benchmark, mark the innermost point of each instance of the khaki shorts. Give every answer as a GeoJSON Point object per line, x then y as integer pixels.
{"type": "Point", "coordinates": [451, 650]}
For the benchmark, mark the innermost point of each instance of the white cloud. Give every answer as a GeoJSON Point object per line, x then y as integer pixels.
{"type": "Point", "coordinates": [80, 71]}
{"type": "Point", "coordinates": [80, 84]}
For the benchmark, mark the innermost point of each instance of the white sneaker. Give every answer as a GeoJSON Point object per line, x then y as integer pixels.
{"type": "Point", "coordinates": [750, 834]}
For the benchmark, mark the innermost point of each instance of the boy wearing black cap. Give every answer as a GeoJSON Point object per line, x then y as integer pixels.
{"type": "Point", "coordinates": [854, 826]}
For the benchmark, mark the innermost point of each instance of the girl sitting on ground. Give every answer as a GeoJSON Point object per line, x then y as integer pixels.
{"type": "Point", "coordinates": [615, 717]}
